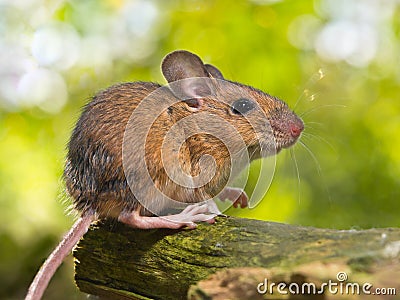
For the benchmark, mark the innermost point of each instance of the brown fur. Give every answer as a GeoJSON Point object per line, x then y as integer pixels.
{"type": "Point", "coordinates": [94, 174]}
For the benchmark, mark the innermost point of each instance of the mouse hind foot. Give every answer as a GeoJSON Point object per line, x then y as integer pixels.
{"type": "Point", "coordinates": [188, 217]}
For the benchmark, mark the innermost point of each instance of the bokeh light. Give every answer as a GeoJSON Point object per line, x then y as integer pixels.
{"type": "Point", "coordinates": [56, 45]}
{"type": "Point", "coordinates": [124, 32]}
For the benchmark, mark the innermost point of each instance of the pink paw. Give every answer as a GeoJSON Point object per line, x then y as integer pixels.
{"type": "Point", "coordinates": [235, 195]}
{"type": "Point", "coordinates": [193, 214]}
{"type": "Point", "coordinates": [187, 218]}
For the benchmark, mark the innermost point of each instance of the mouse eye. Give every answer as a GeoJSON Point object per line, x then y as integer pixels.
{"type": "Point", "coordinates": [242, 106]}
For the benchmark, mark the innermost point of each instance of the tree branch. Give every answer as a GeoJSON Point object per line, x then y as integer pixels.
{"type": "Point", "coordinates": [118, 262]}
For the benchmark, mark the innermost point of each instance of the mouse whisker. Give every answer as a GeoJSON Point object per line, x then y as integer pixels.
{"type": "Point", "coordinates": [314, 130]}
{"type": "Point", "coordinates": [319, 168]}
{"type": "Point", "coordinates": [317, 76]}
{"type": "Point", "coordinates": [320, 139]}
{"type": "Point", "coordinates": [318, 165]}
{"type": "Point", "coordinates": [319, 107]}
{"type": "Point", "coordinates": [293, 157]}
{"type": "Point", "coordinates": [312, 122]}
{"type": "Point", "coordinates": [313, 125]}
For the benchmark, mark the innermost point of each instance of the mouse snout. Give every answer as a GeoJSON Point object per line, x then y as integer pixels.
{"type": "Point", "coordinates": [296, 128]}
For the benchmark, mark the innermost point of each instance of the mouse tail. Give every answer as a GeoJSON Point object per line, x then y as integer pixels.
{"type": "Point", "coordinates": [49, 267]}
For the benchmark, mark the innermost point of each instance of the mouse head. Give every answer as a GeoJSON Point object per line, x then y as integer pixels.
{"type": "Point", "coordinates": [263, 122]}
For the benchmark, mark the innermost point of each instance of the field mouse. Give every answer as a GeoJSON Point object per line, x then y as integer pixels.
{"type": "Point", "coordinates": [199, 124]}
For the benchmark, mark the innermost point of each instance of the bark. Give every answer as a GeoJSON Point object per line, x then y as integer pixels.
{"type": "Point", "coordinates": [229, 259]}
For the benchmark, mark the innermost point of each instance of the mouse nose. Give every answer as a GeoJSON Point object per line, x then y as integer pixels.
{"type": "Point", "coordinates": [296, 129]}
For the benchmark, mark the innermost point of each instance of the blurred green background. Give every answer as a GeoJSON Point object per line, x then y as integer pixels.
{"type": "Point", "coordinates": [339, 60]}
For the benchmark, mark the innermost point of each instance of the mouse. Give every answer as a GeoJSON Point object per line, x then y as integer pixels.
{"type": "Point", "coordinates": [155, 156]}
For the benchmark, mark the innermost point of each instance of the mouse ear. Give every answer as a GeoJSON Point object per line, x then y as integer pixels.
{"type": "Point", "coordinates": [189, 70]}
{"type": "Point", "coordinates": [213, 71]}
{"type": "Point", "coordinates": [182, 64]}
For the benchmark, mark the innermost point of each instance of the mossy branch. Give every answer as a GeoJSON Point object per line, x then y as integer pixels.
{"type": "Point", "coordinates": [118, 262]}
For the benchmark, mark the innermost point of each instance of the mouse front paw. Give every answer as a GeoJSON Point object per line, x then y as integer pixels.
{"type": "Point", "coordinates": [235, 195]}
